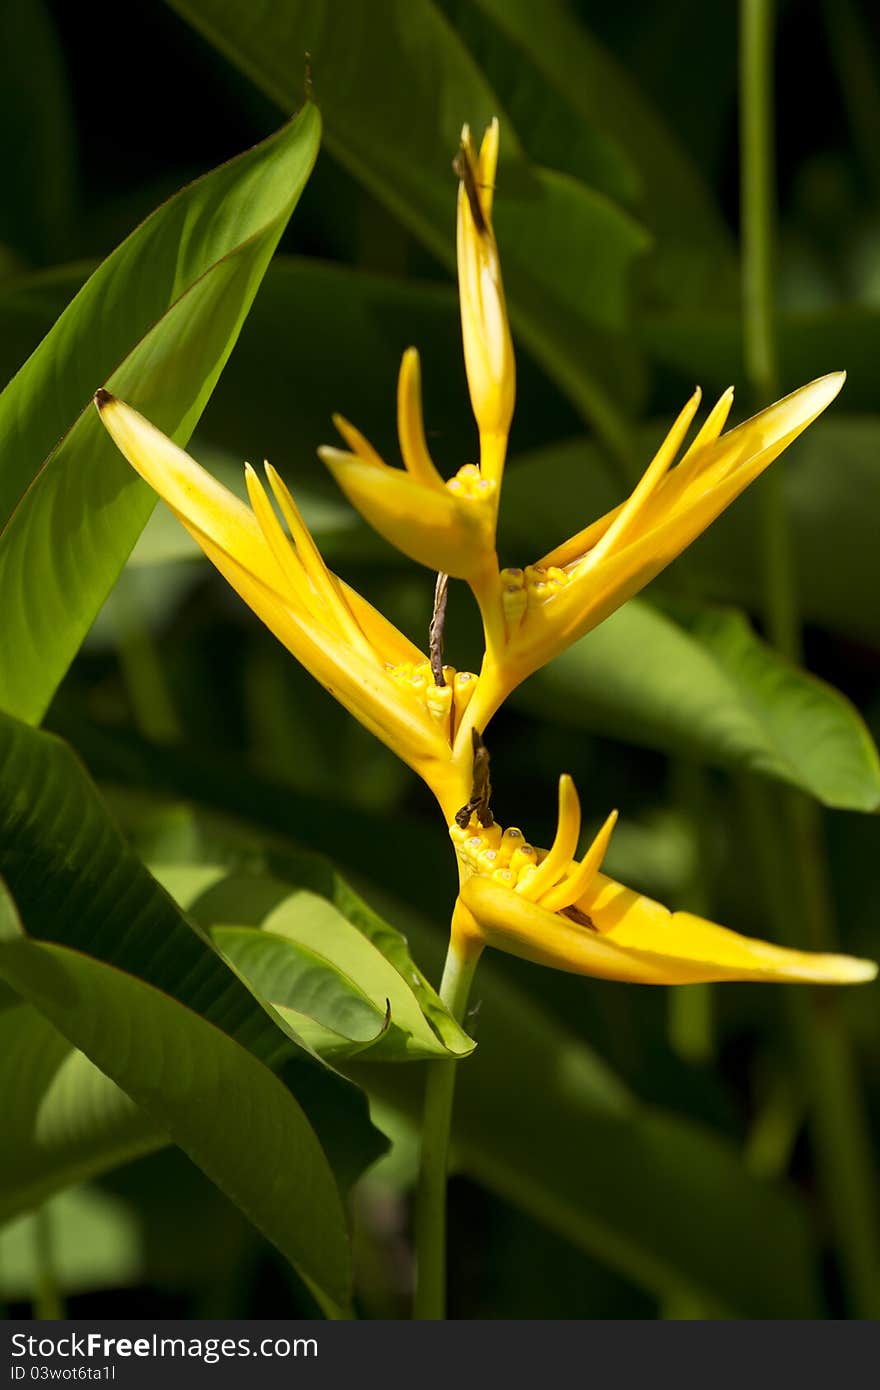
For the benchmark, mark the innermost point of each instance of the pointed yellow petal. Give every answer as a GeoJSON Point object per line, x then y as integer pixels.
{"type": "Point", "coordinates": [190, 490]}
{"type": "Point", "coordinates": [564, 845]}
{"type": "Point", "coordinates": [489, 165]}
{"type": "Point", "coordinates": [512, 923]}
{"type": "Point", "coordinates": [638, 940]}
{"type": "Point", "coordinates": [278, 542]}
{"type": "Point", "coordinates": [386, 640]}
{"type": "Point", "coordinates": [488, 350]}
{"type": "Point", "coordinates": [579, 881]}
{"type": "Point", "coordinates": [410, 423]}
{"type": "Point", "coordinates": [674, 517]}
{"type": "Point", "coordinates": [690, 948]}
{"type": "Point", "coordinates": [435, 528]}
{"type": "Point", "coordinates": [360, 683]}
{"type": "Point", "coordinates": [358, 443]}
{"type": "Point", "coordinates": [325, 584]}
{"type": "Point", "coordinates": [750, 447]}
{"type": "Point", "coordinates": [628, 518]}
{"type": "Point", "coordinates": [706, 436]}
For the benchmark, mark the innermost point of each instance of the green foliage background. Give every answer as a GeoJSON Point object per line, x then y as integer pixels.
{"type": "Point", "coordinates": [620, 1152]}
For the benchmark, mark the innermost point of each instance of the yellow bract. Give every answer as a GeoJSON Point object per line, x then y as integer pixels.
{"type": "Point", "coordinates": [448, 526]}
{"type": "Point", "coordinates": [545, 607]}
{"type": "Point", "coordinates": [361, 658]}
{"type": "Point", "coordinates": [549, 908]}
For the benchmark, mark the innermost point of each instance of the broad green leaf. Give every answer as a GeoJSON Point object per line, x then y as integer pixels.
{"type": "Point", "coordinates": [63, 1119]}
{"type": "Point", "coordinates": [567, 250]}
{"type": "Point", "coordinates": [186, 1073]}
{"type": "Point", "coordinates": [697, 681]}
{"type": "Point", "coordinates": [326, 1006]}
{"type": "Point", "coordinates": [569, 86]}
{"type": "Point", "coordinates": [324, 954]}
{"type": "Point", "coordinates": [156, 322]}
{"type": "Point", "coordinates": [120, 938]}
{"type": "Point", "coordinates": [546, 1124]}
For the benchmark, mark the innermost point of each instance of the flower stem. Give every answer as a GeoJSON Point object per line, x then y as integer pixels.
{"type": "Point", "coordinates": [787, 826]}
{"type": "Point", "coordinates": [47, 1302]}
{"type": "Point", "coordinates": [430, 1223]}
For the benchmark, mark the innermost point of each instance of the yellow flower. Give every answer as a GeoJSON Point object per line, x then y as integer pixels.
{"type": "Point", "coordinates": [539, 611]}
{"type": "Point", "coordinates": [555, 910]}
{"type": "Point", "coordinates": [360, 657]}
{"type": "Point", "coordinates": [448, 526]}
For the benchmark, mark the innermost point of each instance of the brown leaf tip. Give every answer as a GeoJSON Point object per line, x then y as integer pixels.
{"type": "Point", "coordinates": [103, 398]}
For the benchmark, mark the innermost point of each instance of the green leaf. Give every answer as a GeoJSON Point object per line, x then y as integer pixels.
{"type": "Point", "coordinates": [570, 87]}
{"type": "Point", "coordinates": [156, 322]}
{"type": "Point", "coordinates": [126, 978]}
{"type": "Point", "coordinates": [697, 681]}
{"type": "Point", "coordinates": [63, 1119]}
{"type": "Point", "coordinates": [308, 943]}
{"type": "Point", "coordinates": [567, 250]}
{"type": "Point", "coordinates": [184, 1072]}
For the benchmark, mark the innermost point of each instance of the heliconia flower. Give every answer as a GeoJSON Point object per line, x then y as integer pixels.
{"type": "Point", "coordinates": [541, 609]}
{"type": "Point", "coordinates": [556, 910]}
{"type": "Point", "coordinates": [447, 525]}
{"type": "Point", "coordinates": [355, 653]}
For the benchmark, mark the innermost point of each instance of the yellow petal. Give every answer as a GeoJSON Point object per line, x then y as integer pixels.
{"type": "Point", "coordinates": [512, 923]}
{"type": "Point", "coordinates": [358, 682]}
{"type": "Point", "coordinates": [630, 513]}
{"type": "Point", "coordinates": [581, 879]}
{"type": "Point", "coordinates": [190, 490]}
{"type": "Point", "coordinates": [564, 845]}
{"type": "Point", "coordinates": [691, 948]}
{"type": "Point", "coordinates": [488, 350]}
{"type": "Point", "coordinates": [675, 514]}
{"type": "Point", "coordinates": [636, 939]}
{"type": "Point", "coordinates": [411, 425]}
{"type": "Point", "coordinates": [433, 527]}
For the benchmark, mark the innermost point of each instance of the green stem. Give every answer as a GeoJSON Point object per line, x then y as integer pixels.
{"type": "Point", "coordinates": [48, 1306]}
{"type": "Point", "coordinates": [141, 665]}
{"type": "Point", "coordinates": [787, 827]}
{"type": "Point", "coordinates": [430, 1224]}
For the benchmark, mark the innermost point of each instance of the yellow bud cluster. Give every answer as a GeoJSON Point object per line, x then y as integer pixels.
{"type": "Point", "coordinates": [445, 703]}
{"type": "Point", "coordinates": [469, 482]}
{"type": "Point", "coordinates": [503, 855]}
{"type": "Point", "coordinates": [521, 589]}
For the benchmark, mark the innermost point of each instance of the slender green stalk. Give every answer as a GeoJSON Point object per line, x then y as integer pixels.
{"type": "Point", "coordinates": [787, 828]}
{"type": "Point", "coordinates": [430, 1225]}
{"type": "Point", "coordinates": [47, 1301]}
{"type": "Point", "coordinates": [690, 1008]}
{"type": "Point", "coordinates": [141, 666]}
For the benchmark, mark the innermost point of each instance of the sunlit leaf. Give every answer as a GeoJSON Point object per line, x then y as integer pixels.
{"type": "Point", "coordinates": [698, 681]}
{"type": "Point", "coordinates": [126, 978]}
{"type": "Point", "coordinates": [568, 251]}
{"type": "Point", "coordinates": [156, 323]}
